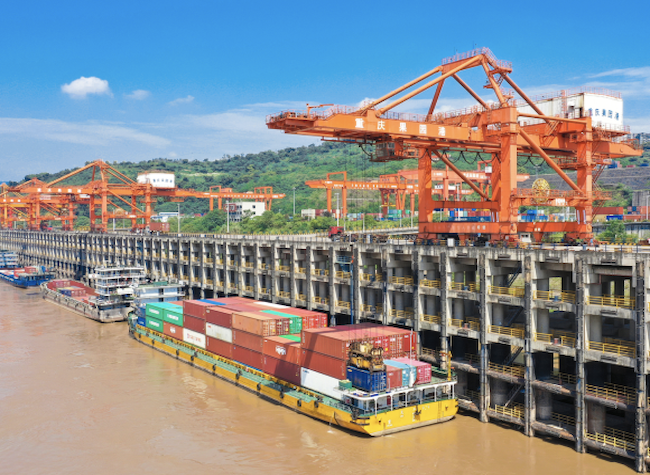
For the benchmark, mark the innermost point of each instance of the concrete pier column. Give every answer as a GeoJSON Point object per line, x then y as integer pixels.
{"type": "Point", "coordinates": [498, 392]}
{"type": "Point", "coordinates": [595, 330]}
{"type": "Point", "coordinates": [595, 418]}
{"type": "Point", "coordinates": [461, 385]}
{"type": "Point", "coordinates": [543, 404]}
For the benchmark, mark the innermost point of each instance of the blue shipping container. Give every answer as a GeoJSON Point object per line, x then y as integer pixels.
{"type": "Point", "coordinates": [212, 302]}
{"type": "Point", "coordinates": [406, 371]}
{"type": "Point", "coordinates": [409, 373]}
{"type": "Point", "coordinates": [142, 321]}
{"type": "Point", "coordinates": [367, 381]}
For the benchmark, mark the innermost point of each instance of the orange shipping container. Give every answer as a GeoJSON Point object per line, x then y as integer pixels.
{"type": "Point", "coordinates": [260, 324]}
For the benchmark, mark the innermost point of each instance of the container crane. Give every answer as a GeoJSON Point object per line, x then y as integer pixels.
{"type": "Point", "coordinates": [498, 129]}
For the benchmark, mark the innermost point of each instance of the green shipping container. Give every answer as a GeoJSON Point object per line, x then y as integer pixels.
{"type": "Point", "coordinates": [155, 324]}
{"type": "Point", "coordinates": [295, 325]}
{"type": "Point", "coordinates": [292, 337]}
{"type": "Point", "coordinates": [156, 310]}
{"type": "Point", "coordinates": [174, 315]}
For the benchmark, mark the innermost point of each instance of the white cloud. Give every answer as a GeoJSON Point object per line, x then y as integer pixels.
{"type": "Point", "coordinates": [642, 72]}
{"type": "Point", "coordinates": [80, 88]}
{"type": "Point", "coordinates": [138, 95]}
{"type": "Point", "coordinates": [181, 100]}
{"type": "Point", "coordinates": [88, 133]}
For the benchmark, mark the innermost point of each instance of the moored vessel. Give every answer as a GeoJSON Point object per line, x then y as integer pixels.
{"type": "Point", "coordinates": [24, 277]}
{"type": "Point", "coordinates": [364, 377]}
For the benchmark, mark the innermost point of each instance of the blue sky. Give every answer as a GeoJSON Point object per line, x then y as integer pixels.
{"type": "Point", "coordinates": [195, 79]}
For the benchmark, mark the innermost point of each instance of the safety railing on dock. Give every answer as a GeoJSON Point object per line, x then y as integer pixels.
{"type": "Point", "coordinates": [301, 270]}
{"type": "Point", "coordinates": [612, 441]}
{"type": "Point", "coordinates": [473, 358]}
{"type": "Point", "coordinates": [284, 294]}
{"type": "Point", "coordinates": [434, 284]}
{"type": "Point", "coordinates": [283, 268]}
{"type": "Point", "coordinates": [302, 297]}
{"type": "Point", "coordinates": [401, 280]}
{"type": "Point", "coordinates": [563, 421]}
{"type": "Point", "coordinates": [556, 339]}
{"type": "Point", "coordinates": [343, 303]}
{"type": "Point", "coordinates": [469, 286]}
{"type": "Point", "coordinates": [431, 319]}
{"type": "Point", "coordinates": [341, 274]}
{"type": "Point", "coordinates": [512, 291]}
{"type": "Point", "coordinates": [320, 272]}
{"type": "Point", "coordinates": [516, 371]}
{"type": "Point", "coordinates": [555, 296]}
{"type": "Point", "coordinates": [611, 301]}
{"type": "Point", "coordinates": [371, 277]}
{"type": "Point", "coordinates": [508, 331]}
{"type": "Point", "coordinates": [612, 392]}
{"type": "Point", "coordinates": [617, 349]}
{"type": "Point", "coordinates": [516, 410]}
{"type": "Point", "coordinates": [322, 300]}
{"type": "Point", "coordinates": [473, 395]}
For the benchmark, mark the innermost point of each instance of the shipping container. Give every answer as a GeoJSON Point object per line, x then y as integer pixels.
{"type": "Point", "coordinates": [292, 337]}
{"type": "Point", "coordinates": [295, 321]}
{"type": "Point", "coordinates": [260, 324]}
{"type": "Point", "coordinates": [172, 330]}
{"type": "Point", "coordinates": [321, 383]}
{"type": "Point", "coordinates": [155, 324]}
{"type": "Point", "coordinates": [310, 319]}
{"type": "Point", "coordinates": [334, 367]}
{"type": "Point", "coordinates": [371, 382]}
{"type": "Point", "coordinates": [247, 340]}
{"type": "Point", "coordinates": [220, 333]}
{"type": "Point", "coordinates": [155, 310]}
{"type": "Point", "coordinates": [248, 357]}
{"type": "Point", "coordinates": [142, 321]}
{"type": "Point", "coordinates": [281, 348]}
{"type": "Point", "coordinates": [194, 338]}
{"type": "Point", "coordinates": [393, 377]}
{"type": "Point", "coordinates": [173, 314]}
{"type": "Point", "coordinates": [281, 369]}
{"type": "Point", "coordinates": [222, 315]}
{"type": "Point", "coordinates": [423, 370]}
{"type": "Point", "coordinates": [194, 324]}
{"type": "Point", "coordinates": [159, 226]}
{"type": "Point", "coordinates": [409, 373]}
{"type": "Point", "coordinates": [218, 347]}
{"type": "Point", "coordinates": [195, 308]}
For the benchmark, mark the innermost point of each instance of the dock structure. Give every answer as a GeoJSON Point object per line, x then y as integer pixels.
{"type": "Point", "coordinates": [553, 341]}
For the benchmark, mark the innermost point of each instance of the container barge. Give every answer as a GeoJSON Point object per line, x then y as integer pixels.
{"type": "Point", "coordinates": [24, 277]}
{"type": "Point", "coordinates": [363, 378]}
{"type": "Point", "coordinates": [8, 259]}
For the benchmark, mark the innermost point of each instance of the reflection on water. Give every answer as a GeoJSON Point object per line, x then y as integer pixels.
{"type": "Point", "coordinates": [78, 396]}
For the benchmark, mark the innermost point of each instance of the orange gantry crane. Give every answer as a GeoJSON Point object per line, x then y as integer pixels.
{"type": "Point", "coordinates": [499, 129]}
{"type": "Point", "coordinates": [109, 194]}
{"type": "Point", "coordinates": [403, 185]}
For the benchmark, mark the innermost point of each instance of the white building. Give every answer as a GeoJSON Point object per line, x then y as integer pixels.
{"type": "Point", "coordinates": [158, 179]}
{"type": "Point", "coordinates": [308, 213]}
{"type": "Point", "coordinates": [237, 211]}
{"type": "Point", "coordinates": [603, 106]}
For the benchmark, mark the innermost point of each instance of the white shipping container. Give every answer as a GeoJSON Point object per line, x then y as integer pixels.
{"type": "Point", "coordinates": [220, 333]}
{"type": "Point", "coordinates": [321, 383]}
{"type": "Point", "coordinates": [271, 305]}
{"type": "Point", "coordinates": [193, 338]}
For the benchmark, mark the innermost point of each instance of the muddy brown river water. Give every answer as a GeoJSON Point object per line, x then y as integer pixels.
{"type": "Point", "coordinates": [82, 397]}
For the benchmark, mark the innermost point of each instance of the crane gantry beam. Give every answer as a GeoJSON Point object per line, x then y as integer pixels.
{"type": "Point", "coordinates": [497, 128]}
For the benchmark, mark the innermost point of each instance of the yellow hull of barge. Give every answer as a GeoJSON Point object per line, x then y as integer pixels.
{"type": "Point", "coordinates": [383, 423]}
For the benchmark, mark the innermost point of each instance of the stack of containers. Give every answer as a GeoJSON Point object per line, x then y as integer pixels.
{"type": "Point", "coordinates": [281, 358]}
{"type": "Point", "coordinates": [154, 316]}
{"type": "Point", "coordinates": [408, 373]}
{"type": "Point", "coordinates": [326, 350]}
{"type": "Point", "coordinates": [422, 369]}
{"type": "Point", "coordinates": [173, 320]}
{"type": "Point", "coordinates": [249, 330]}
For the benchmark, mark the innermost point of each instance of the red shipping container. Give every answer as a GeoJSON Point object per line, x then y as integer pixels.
{"type": "Point", "coordinates": [194, 308]}
{"type": "Point", "coordinates": [247, 340]}
{"type": "Point", "coordinates": [173, 330]}
{"type": "Point", "coordinates": [423, 369]}
{"type": "Point", "coordinates": [282, 349]}
{"type": "Point", "coordinates": [222, 315]}
{"type": "Point", "coordinates": [310, 319]}
{"type": "Point", "coordinates": [261, 324]}
{"type": "Point", "coordinates": [194, 324]}
{"type": "Point", "coordinates": [334, 367]}
{"type": "Point", "coordinates": [284, 370]}
{"type": "Point", "coordinates": [393, 377]}
{"type": "Point", "coordinates": [248, 357]}
{"type": "Point", "coordinates": [218, 347]}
